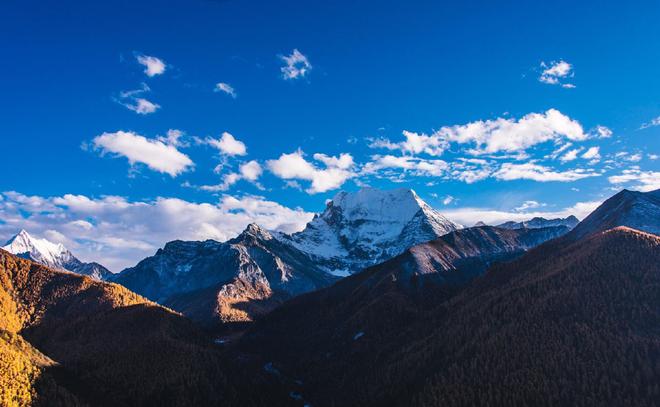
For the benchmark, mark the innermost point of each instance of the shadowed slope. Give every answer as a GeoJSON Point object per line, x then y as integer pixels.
{"type": "Point", "coordinates": [339, 332]}
{"type": "Point", "coordinates": [567, 323]}
{"type": "Point", "coordinates": [638, 210]}
{"type": "Point", "coordinates": [113, 347]}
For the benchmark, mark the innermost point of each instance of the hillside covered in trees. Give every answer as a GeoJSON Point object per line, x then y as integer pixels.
{"type": "Point", "coordinates": [69, 340]}
{"type": "Point", "coordinates": [569, 323]}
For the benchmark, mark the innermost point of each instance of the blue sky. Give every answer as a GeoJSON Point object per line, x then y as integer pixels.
{"type": "Point", "coordinates": [509, 110]}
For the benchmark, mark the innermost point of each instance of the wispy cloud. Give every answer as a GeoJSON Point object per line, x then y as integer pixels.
{"type": "Point", "coordinates": [153, 66]}
{"type": "Point", "coordinates": [592, 154]}
{"type": "Point", "coordinates": [528, 205]}
{"type": "Point", "coordinates": [412, 165]}
{"type": "Point", "coordinates": [654, 122]}
{"type": "Point", "coordinates": [249, 171]}
{"type": "Point", "coordinates": [470, 216]}
{"type": "Point", "coordinates": [142, 106]}
{"type": "Point", "coordinates": [635, 178]}
{"type": "Point", "coordinates": [556, 72]}
{"type": "Point", "coordinates": [296, 65]}
{"type": "Point", "coordinates": [134, 100]}
{"type": "Point", "coordinates": [226, 88]}
{"type": "Point", "coordinates": [448, 199]}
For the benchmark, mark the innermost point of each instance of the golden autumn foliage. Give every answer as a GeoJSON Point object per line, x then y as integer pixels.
{"type": "Point", "coordinates": [106, 346]}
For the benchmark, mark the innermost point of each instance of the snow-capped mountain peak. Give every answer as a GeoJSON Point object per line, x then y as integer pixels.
{"type": "Point", "coordinates": [398, 205]}
{"type": "Point", "coordinates": [255, 231]}
{"type": "Point", "coordinates": [41, 250]}
{"type": "Point", "coordinates": [51, 254]}
{"type": "Point", "coordinates": [359, 229]}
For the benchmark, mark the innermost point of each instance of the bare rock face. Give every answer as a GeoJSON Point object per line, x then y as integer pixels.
{"type": "Point", "coordinates": [232, 281]}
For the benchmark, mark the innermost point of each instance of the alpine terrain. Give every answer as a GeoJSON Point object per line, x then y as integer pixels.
{"type": "Point", "coordinates": [538, 222]}
{"type": "Point", "coordinates": [53, 255]}
{"type": "Point", "coordinates": [249, 275]}
{"type": "Point", "coordinates": [572, 321]}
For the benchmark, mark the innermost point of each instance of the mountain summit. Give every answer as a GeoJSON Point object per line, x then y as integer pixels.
{"type": "Point", "coordinates": [53, 255]}
{"type": "Point", "coordinates": [637, 210]}
{"type": "Point", "coordinates": [364, 228]}
{"type": "Point", "coordinates": [252, 273]}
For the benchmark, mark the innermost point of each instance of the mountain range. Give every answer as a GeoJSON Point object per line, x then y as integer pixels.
{"type": "Point", "coordinates": [53, 255]}
{"type": "Point", "coordinates": [251, 274]}
{"type": "Point", "coordinates": [477, 316]}
{"type": "Point", "coordinates": [246, 277]}
{"type": "Point", "coordinates": [572, 321]}
{"type": "Point", "coordinates": [539, 222]}
{"type": "Point", "coordinates": [231, 281]}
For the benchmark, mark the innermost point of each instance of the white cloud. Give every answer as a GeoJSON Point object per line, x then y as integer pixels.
{"type": "Point", "coordinates": [226, 88]}
{"type": "Point", "coordinates": [138, 149]}
{"type": "Point", "coordinates": [153, 66]}
{"type": "Point", "coordinates": [637, 179]}
{"type": "Point", "coordinates": [251, 170]}
{"type": "Point", "coordinates": [142, 106]}
{"type": "Point", "coordinates": [470, 216]}
{"type": "Point", "coordinates": [132, 100]}
{"type": "Point", "coordinates": [593, 153]}
{"type": "Point", "coordinates": [118, 233]}
{"type": "Point", "coordinates": [414, 165]}
{"type": "Point", "coordinates": [345, 160]}
{"type": "Point", "coordinates": [626, 156]}
{"type": "Point", "coordinates": [295, 166]}
{"type": "Point", "coordinates": [559, 150]}
{"type": "Point", "coordinates": [603, 132]}
{"type": "Point", "coordinates": [535, 172]}
{"type": "Point", "coordinates": [173, 138]}
{"type": "Point", "coordinates": [556, 72]}
{"type": "Point", "coordinates": [528, 205]}
{"type": "Point", "coordinates": [227, 181]}
{"type": "Point", "coordinates": [448, 199]}
{"type": "Point", "coordinates": [228, 145]}
{"type": "Point", "coordinates": [297, 65]}
{"type": "Point", "coordinates": [654, 122]}
{"type": "Point", "coordinates": [570, 155]}
{"type": "Point", "coordinates": [493, 136]}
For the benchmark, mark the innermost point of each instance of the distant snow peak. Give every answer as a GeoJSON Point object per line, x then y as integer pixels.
{"type": "Point", "coordinates": [41, 250]}
{"type": "Point", "coordinates": [539, 222]}
{"type": "Point", "coordinates": [53, 255]}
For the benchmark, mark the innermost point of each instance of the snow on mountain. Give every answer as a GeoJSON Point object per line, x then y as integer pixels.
{"type": "Point", "coordinates": [363, 228]}
{"type": "Point", "coordinates": [539, 222]}
{"type": "Point", "coordinates": [53, 255]}
{"type": "Point", "coordinates": [235, 280]}
{"type": "Point", "coordinates": [249, 275]}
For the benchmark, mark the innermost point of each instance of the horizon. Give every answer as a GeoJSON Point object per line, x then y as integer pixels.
{"type": "Point", "coordinates": [198, 118]}
{"type": "Point", "coordinates": [498, 218]}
